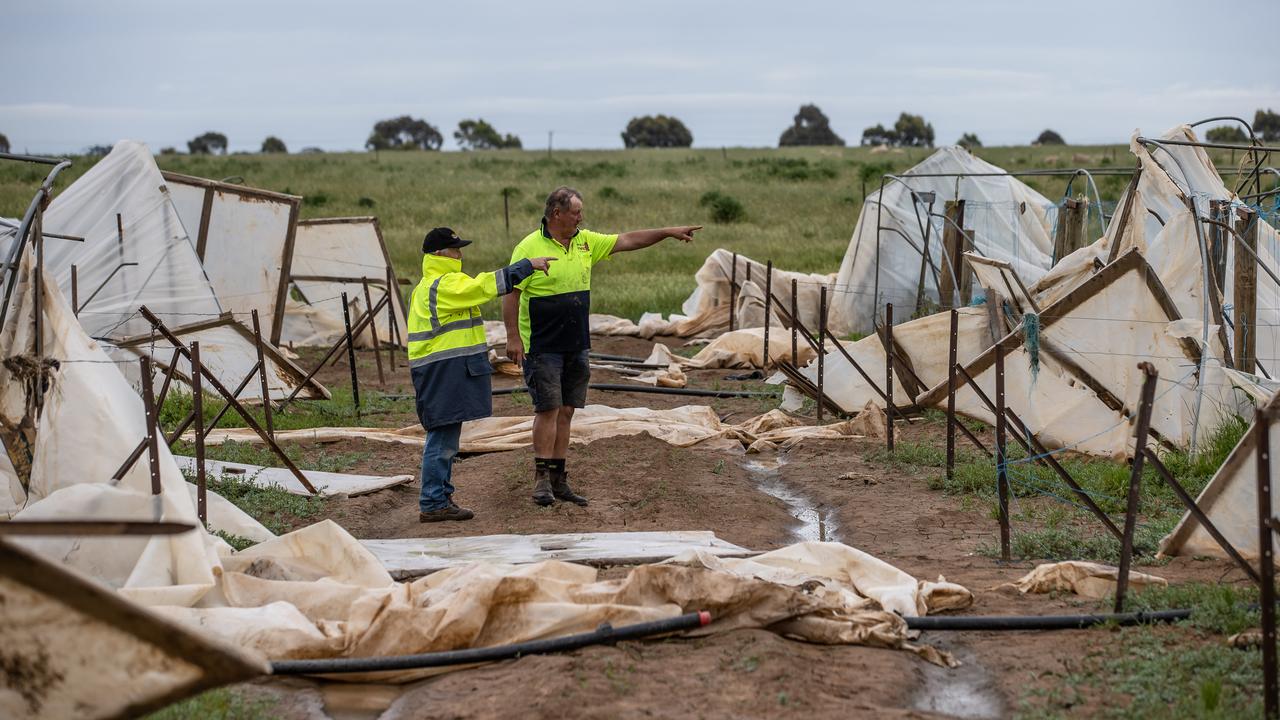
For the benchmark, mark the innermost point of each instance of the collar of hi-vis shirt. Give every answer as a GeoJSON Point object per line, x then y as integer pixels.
{"type": "Point", "coordinates": [439, 265]}
{"type": "Point", "coordinates": [548, 236]}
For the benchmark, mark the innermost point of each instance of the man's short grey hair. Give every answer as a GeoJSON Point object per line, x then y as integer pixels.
{"type": "Point", "coordinates": [559, 200]}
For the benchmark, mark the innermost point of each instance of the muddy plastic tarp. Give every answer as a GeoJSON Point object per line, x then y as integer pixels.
{"type": "Point", "coordinates": [332, 256]}
{"type": "Point", "coordinates": [1086, 579]}
{"type": "Point", "coordinates": [64, 458]}
{"type": "Point", "coordinates": [1011, 222]}
{"type": "Point", "coordinates": [685, 426]}
{"type": "Point", "coordinates": [327, 484]}
{"type": "Point", "coordinates": [407, 558]}
{"type": "Point", "coordinates": [1230, 501]}
{"type": "Point", "coordinates": [742, 348]}
{"type": "Point", "coordinates": [318, 593]}
{"type": "Point", "coordinates": [706, 311]}
{"type": "Point", "coordinates": [76, 649]}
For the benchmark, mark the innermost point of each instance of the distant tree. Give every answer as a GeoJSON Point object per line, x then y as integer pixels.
{"type": "Point", "coordinates": [404, 133]}
{"type": "Point", "coordinates": [208, 143]}
{"type": "Point", "coordinates": [97, 150]}
{"type": "Point", "coordinates": [273, 144]}
{"type": "Point", "coordinates": [913, 131]}
{"type": "Point", "coordinates": [4, 143]}
{"type": "Point", "coordinates": [1049, 137]}
{"type": "Point", "coordinates": [879, 135]}
{"type": "Point", "coordinates": [311, 151]}
{"type": "Point", "coordinates": [811, 127]}
{"type": "Point", "coordinates": [168, 151]}
{"type": "Point", "coordinates": [1266, 125]}
{"type": "Point", "coordinates": [1226, 134]}
{"type": "Point", "coordinates": [480, 135]}
{"type": "Point", "coordinates": [656, 131]}
{"type": "Point", "coordinates": [969, 141]}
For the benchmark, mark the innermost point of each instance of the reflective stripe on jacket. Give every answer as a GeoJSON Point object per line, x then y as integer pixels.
{"type": "Point", "coordinates": [444, 314]}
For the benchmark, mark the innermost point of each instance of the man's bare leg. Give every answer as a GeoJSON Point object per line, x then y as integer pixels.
{"type": "Point", "coordinates": [544, 444]}
{"type": "Point", "coordinates": [564, 422]}
{"type": "Point", "coordinates": [559, 478]}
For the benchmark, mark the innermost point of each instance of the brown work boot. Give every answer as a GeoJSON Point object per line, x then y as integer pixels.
{"type": "Point", "coordinates": [452, 512]}
{"type": "Point", "coordinates": [542, 487]}
{"type": "Point", "coordinates": [560, 489]}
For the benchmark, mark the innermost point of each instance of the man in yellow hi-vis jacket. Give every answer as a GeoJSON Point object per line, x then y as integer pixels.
{"type": "Point", "coordinates": [449, 358]}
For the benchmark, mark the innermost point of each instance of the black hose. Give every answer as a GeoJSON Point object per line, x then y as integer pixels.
{"type": "Point", "coordinates": [1041, 622]}
{"type": "Point", "coordinates": [604, 634]}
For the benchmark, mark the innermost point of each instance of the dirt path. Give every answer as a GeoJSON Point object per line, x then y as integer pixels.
{"type": "Point", "coordinates": [844, 490]}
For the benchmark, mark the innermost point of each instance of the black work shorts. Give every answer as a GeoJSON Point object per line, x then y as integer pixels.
{"type": "Point", "coordinates": [557, 379]}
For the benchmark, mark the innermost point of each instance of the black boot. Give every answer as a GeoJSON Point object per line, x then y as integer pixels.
{"type": "Point", "coordinates": [561, 490]}
{"type": "Point", "coordinates": [542, 494]}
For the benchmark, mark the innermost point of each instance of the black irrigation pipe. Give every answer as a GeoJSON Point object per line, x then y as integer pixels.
{"type": "Point", "coordinates": [696, 392]}
{"type": "Point", "coordinates": [604, 634]}
{"type": "Point", "coordinates": [1042, 622]}
{"type": "Point", "coordinates": [617, 358]}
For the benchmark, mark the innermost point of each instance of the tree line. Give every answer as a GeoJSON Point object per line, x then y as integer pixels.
{"type": "Point", "coordinates": [810, 126]}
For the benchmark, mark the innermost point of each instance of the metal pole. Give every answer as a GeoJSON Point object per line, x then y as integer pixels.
{"type": "Point", "coordinates": [373, 330]}
{"type": "Point", "coordinates": [197, 407]}
{"type": "Point", "coordinates": [951, 394]}
{"type": "Point", "coordinates": [393, 327]}
{"type": "Point", "coordinates": [795, 350]}
{"type": "Point", "coordinates": [1266, 566]}
{"type": "Point", "coordinates": [149, 405]}
{"type": "Point", "coordinates": [888, 373]}
{"type": "Point", "coordinates": [1002, 479]}
{"type": "Point", "coordinates": [75, 292]}
{"type": "Point", "coordinates": [38, 238]}
{"type": "Point", "coordinates": [1135, 480]}
{"type": "Point", "coordinates": [351, 354]}
{"type": "Point", "coordinates": [768, 312]}
{"type": "Point", "coordinates": [822, 346]}
{"type": "Point", "coordinates": [733, 293]}
{"type": "Point", "coordinates": [262, 377]}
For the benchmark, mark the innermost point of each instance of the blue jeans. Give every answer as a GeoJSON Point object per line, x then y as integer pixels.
{"type": "Point", "coordinates": [437, 466]}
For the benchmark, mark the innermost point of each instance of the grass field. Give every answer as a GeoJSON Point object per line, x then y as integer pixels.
{"type": "Point", "coordinates": [801, 204]}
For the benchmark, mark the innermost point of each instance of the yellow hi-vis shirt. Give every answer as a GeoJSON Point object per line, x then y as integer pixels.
{"type": "Point", "coordinates": [444, 314]}
{"type": "Point", "coordinates": [554, 306]}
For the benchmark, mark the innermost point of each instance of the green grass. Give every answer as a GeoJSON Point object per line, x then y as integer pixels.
{"type": "Point", "coordinates": [339, 410]}
{"type": "Point", "coordinates": [218, 704]}
{"type": "Point", "coordinates": [1183, 671]}
{"type": "Point", "coordinates": [800, 204]}
{"type": "Point", "coordinates": [272, 506]}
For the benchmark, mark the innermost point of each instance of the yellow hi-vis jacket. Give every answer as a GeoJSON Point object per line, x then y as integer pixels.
{"type": "Point", "coordinates": [448, 355]}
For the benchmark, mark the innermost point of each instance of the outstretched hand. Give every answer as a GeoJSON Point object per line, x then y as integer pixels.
{"type": "Point", "coordinates": [542, 263]}
{"type": "Point", "coordinates": [685, 232]}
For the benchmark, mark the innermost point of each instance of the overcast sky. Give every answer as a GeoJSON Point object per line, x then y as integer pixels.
{"type": "Point", "coordinates": [320, 74]}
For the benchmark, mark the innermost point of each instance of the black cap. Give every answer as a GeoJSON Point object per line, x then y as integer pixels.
{"type": "Point", "coordinates": [441, 238]}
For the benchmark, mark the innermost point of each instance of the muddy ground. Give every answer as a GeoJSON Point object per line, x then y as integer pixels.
{"type": "Point", "coordinates": [844, 490]}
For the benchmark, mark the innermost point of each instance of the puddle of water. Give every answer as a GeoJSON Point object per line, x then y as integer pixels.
{"type": "Point", "coordinates": [815, 525]}
{"type": "Point", "coordinates": [964, 692]}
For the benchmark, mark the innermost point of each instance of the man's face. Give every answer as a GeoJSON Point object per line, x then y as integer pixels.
{"type": "Point", "coordinates": [570, 218]}
{"type": "Point", "coordinates": [455, 253]}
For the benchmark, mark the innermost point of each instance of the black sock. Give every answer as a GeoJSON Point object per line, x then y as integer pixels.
{"type": "Point", "coordinates": [556, 464]}
{"type": "Point", "coordinates": [541, 463]}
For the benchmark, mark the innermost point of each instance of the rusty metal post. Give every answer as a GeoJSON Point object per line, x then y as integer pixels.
{"type": "Point", "coordinates": [1246, 296]}
{"type": "Point", "coordinates": [951, 393]}
{"type": "Point", "coordinates": [768, 312]}
{"type": "Point", "coordinates": [1266, 565]}
{"type": "Point", "coordinates": [733, 293]}
{"type": "Point", "coordinates": [149, 405]}
{"type": "Point", "coordinates": [351, 354]}
{"type": "Point", "coordinates": [393, 327]}
{"type": "Point", "coordinates": [953, 250]}
{"type": "Point", "coordinates": [197, 408]}
{"type": "Point", "coordinates": [373, 330]}
{"type": "Point", "coordinates": [75, 291]}
{"type": "Point", "coordinates": [1002, 477]}
{"type": "Point", "coordinates": [37, 228]}
{"type": "Point", "coordinates": [795, 322]}
{"type": "Point", "coordinates": [888, 373]}
{"type": "Point", "coordinates": [1135, 480]}
{"type": "Point", "coordinates": [262, 377]}
{"type": "Point", "coordinates": [822, 347]}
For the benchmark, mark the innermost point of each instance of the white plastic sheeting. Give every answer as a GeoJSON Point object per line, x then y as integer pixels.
{"type": "Point", "coordinates": [327, 484]}
{"type": "Point", "coordinates": [243, 237]}
{"type": "Point", "coordinates": [1011, 222]}
{"type": "Point", "coordinates": [333, 249]}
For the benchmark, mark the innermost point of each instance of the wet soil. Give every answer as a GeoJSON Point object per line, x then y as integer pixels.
{"type": "Point", "coordinates": [834, 489]}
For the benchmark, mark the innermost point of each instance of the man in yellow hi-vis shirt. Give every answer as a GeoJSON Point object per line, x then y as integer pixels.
{"type": "Point", "coordinates": [547, 327]}
{"type": "Point", "coordinates": [449, 358]}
